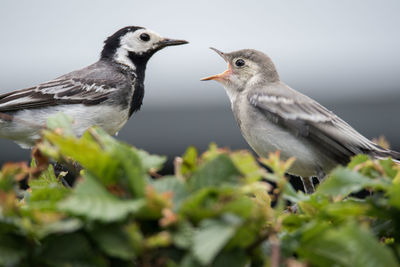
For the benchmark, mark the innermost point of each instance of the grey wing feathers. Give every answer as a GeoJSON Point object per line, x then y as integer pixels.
{"type": "Point", "coordinates": [306, 118]}
{"type": "Point", "coordinates": [79, 87]}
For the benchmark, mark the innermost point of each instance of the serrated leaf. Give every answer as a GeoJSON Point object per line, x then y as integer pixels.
{"type": "Point", "coordinates": [46, 191]}
{"type": "Point", "coordinates": [189, 261]}
{"type": "Point", "coordinates": [114, 241]}
{"type": "Point", "coordinates": [290, 194]}
{"type": "Point", "coordinates": [346, 209]}
{"type": "Point", "coordinates": [87, 152]}
{"type": "Point", "coordinates": [109, 160]}
{"type": "Point", "coordinates": [183, 236]}
{"type": "Point", "coordinates": [343, 181]}
{"type": "Point", "coordinates": [347, 246]}
{"type": "Point", "coordinates": [210, 238]}
{"type": "Point", "coordinates": [235, 258]}
{"type": "Point", "coordinates": [247, 165]}
{"type": "Point", "coordinates": [215, 172]}
{"type": "Point", "coordinates": [69, 250]}
{"type": "Point", "coordinates": [91, 201]}
{"type": "Point", "coordinates": [173, 185]}
{"type": "Point", "coordinates": [358, 159]}
{"type": "Point", "coordinates": [129, 171]}
{"type": "Point", "coordinates": [11, 250]}
{"type": "Point", "coordinates": [389, 167]}
{"type": "Point", "coordinates": [150, 162]}
{"type": "Point", "coordinates": [189, 163]}
{"type": "Point", "coordinates": [206, 203]}
{"type": "Point", "coordinates": [394, 195]}
{"type": "Point", "coordinates": [68, 225]}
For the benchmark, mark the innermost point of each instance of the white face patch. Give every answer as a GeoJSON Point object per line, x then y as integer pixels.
{"type": "Point", "coordinates": [131, 42]}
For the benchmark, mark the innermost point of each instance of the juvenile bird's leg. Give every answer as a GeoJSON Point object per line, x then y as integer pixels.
{"type": "Point", "coordinates": [308, 182]}
{"type": "Point", "coordinates": [320, 175]}
{"type": "Point", "coordinates": [308, 185]}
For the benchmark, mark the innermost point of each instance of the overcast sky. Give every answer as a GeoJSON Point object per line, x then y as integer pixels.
{"type": "Point", "coordinates": [337, 50]}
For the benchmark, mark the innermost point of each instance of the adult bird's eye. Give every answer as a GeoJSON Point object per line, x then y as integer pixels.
{"type": "Point", "coordinates": [239, 62]}
{"type": "Point", "coordinates": [144, 37]}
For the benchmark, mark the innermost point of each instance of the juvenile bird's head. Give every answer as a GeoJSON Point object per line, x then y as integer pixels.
{"type": "Point", "coordinates": [245, 66]}
{"type": "Point", "coordinates": [135, 45]}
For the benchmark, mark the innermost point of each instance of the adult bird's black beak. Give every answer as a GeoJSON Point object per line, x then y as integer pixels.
{"type": "Point", "coordinates": [170, 42]}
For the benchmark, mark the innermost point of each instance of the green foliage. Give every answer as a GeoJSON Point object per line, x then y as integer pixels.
{"type": "Point", "coordinates": [216, 210]}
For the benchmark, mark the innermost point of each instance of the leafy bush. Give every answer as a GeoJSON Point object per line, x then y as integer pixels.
{"type": "Point", "coordinates": [215, 211]}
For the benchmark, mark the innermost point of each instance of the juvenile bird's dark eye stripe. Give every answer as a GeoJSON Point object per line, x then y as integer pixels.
{"type": "Point", "coordinates": [240, 62]}
{"type": "Point", "coordinates": [144, 37]}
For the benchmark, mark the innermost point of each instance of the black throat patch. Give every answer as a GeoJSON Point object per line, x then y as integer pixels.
{"type": "Point", "coordinates": [140, 62]}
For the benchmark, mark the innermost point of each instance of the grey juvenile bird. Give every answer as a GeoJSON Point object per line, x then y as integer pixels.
{"type": "Point", "coordinates": [105, 93]}
{"type": "Point", "coordinates": [272, 116]}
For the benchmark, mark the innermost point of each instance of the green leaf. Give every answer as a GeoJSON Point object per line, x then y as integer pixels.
{"type": "Point", "coordinates": [235, 258]}
{"type": "Point", "coordinates": [207, 202]}
{"type": "Point", "coordinates": [247, 165]}
{"type": "Point", "coordinates": [212, 152]}
{"type": "Point", "coordinates": [47, 191]}
{"type": "Point", "coordinates": [7, 177]}
{"type": "Point", "coordinates": [129, 170]}
{"type": "Point", "coordinates": [210, 238]}
{"type": "Point", "coordinates": [189, 163]}
{"type": "Point", "coordinates": [349, 245]}
{"type": "Point", "coordinates": [12, 251]}
{"type": "Point", "coordinates": [356, 160]}
{"type": "Point", "coordinates": [106, 158]}
{"type": "Point", "coordinates": [68, 225]}
{"type": "Point", "coordinates": [173, 185]}
{"type": "Point", "coordinates": [342, 182]}
{"type": "Point", "coordinates": [216, 172]}
{"type": "Point", "coordinates": [394, 195]}
{"type": "Point", "coordinates": [189, 261]}
{"type": "Point", "coordinates": [92, 201]}
{"type": "Point", "coordinates": [347, 208]}
{"type": "Point", "coordinates": [290, 194]}
{"type": "Point", "coordinates": [389, 167]}
{"type": "Point", "coordinates": [114, 241]}
{"type": "Point", "coordinates": [87, 153]}
{"type": "Point", "coordinates": [69, 250]}
{"type": "Point", "coordinates": [150, 162]}
{"type": "Point", "coordinates": [183, 237]}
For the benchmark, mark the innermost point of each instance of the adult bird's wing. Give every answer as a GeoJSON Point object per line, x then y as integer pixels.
{"type": "Point", "coordinates": [55, 92]}
{"type": "Point", "coordinates": [310, 120]}
{"type": "Point", "coordinates": [89, 86]}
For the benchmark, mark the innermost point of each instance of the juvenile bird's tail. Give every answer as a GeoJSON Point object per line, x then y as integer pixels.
{"type": "Point", "coordinates": [387, 153]}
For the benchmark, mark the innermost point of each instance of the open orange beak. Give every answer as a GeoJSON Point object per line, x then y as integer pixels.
{"type": "Point", "coordinates": [221, 76]}
{"type": "Point", "coordinates": [218, 77]}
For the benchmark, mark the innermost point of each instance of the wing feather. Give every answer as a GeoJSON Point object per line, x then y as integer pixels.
{"type": "Point", "coordinates": [307, 118]}
{"type": "Point", "coordinates": [65, 90]}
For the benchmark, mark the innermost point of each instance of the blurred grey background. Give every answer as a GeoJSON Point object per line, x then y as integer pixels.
{"type": "Point", "coordinates": [345, 54]}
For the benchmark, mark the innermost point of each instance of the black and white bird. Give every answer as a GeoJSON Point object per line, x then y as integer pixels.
{"type": "Point", "coordinates": [105, 93]}
{"type": "Point", "coordinates": [272, 116]}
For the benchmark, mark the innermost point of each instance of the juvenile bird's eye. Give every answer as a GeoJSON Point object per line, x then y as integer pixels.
{"type": "Point", "coordinates": [144, 37]}
{"type": "Point", "coordinates": [239, 62]}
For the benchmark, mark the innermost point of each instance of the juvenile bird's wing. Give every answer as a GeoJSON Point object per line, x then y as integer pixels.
{"type": "Point", "coordinates": [86, 86]}
{"type": "Point", "coordinates": [307, 118]}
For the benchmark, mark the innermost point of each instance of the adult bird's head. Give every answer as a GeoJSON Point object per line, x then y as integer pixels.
{"type": "Point", "coordinates": [135, 45]}
{"type": "Point", "coordinates": [244, 66]}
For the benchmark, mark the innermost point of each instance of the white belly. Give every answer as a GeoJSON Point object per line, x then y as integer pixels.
{"type": "Point", "coordinates": [265, 137]}
{"type": "Point", "coordinates": [25, 128]}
